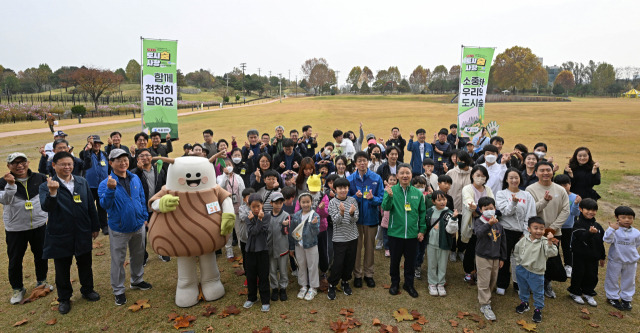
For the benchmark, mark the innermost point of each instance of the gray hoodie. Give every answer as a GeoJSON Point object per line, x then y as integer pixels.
{"type": "Point", "coordinates": [241, 224]}
{"type": "Point", "coordinates": [278, 240]}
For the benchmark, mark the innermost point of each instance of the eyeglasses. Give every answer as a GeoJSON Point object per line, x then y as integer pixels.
{"type": "Point", "coordinates": [16, 163]}
{"type": "Point", "coordinates": [145, 155]}
{"type": "Point", "coordinates": [66, 165]}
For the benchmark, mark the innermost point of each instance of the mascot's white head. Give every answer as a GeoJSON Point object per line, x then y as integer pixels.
{"type": "Point", "coordinates": [190, 174]}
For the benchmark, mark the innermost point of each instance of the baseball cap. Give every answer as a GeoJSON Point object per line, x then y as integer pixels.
{"type": "Point", "coordinates": [275, 196]}
{"type": "Point", "coordinates": [187, 146]}
{"type": "Point", "coordinates": [469, 143]}
{"type": "Point", "coordinates": [96, 138]}
{"type": "Point", "coordinates": [370, 136]}
{"type": "Point", "coordinates": [59, 133]}
{"type": "Point", "coordinates": [115, 153]}
{"type": "Point", "coordinates": [13, 156]}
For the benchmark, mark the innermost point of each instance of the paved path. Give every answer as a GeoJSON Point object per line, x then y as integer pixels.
{"type": "Point", "coordinates": [118, 121]}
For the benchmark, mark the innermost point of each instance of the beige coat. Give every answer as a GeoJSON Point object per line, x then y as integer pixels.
{"type": "Point", "coordinates": [468, 196]}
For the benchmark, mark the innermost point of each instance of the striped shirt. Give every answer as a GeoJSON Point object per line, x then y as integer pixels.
{"type": "Point", "coordinates": [344, 226]}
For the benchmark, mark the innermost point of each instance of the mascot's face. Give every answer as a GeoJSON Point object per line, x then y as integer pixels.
{"type": "Point", "coordinates": [191, 173]}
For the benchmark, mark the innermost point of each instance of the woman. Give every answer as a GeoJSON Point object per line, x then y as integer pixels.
{"type": "Point", "coordinates": [516, 206]}
{"type": "Point", "coordinates": [264, 164]}
{"type": "Point", "coordinates": [460, 177]}
{"type": "Point", "coordinates": [528, 176]}
{"type": "Point", "coordinates": [341, 167]}
{"type": "Point", "coordinates": [375, 157]}
{"type": "Point", "coordinates": [307, 168]}
{"type": "Point", "coordinates": [470, 195]}
{"type": "Point", "coordinates": [584, 173]}
{"type": "Point", "coordinates": [540, 149]}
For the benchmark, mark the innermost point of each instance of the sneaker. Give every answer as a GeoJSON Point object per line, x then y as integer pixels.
{"type": "Point", "coordinates": [461, 256]}
{"type": "Point", "coordinates": [487, 312]}
{"type": "Point", "coordinates": [371, 283]}
{"type": "Point", "coordinates": [357, 282]}
{"type": "Point", "coordinates": [105, 231]}
{"type": "Point", "coordinates": [164, 258]}
{"type": "Point", "coordinates": [568, 269]}
{"type": "Point", "coordinates": [417, 274]}
{"type": "Point", "coordinates": [18, 295]}
{"type": "Point", "coordinates": [302, 293]}
{"type": "Point", "coordinates": [548, 291]}
{"type": "Point", "coordinates": [522, 308]}
{"type": "Point", "coordinates": [121, 299]}
{"type": "Point", "coordinates": [145, 261]}
{"type": "Point", "coordinates": [577, 298]}
{"type": "Point", "coordinates": [310, 294]}
{"type": "Point", "coordinates": [346, 289]}
{"type": "Point", "coordinates": [274, 295]}
{"type": "Point", "coordinates": [283, 294]}
{"type": "Point", "coordinates": [294, 273]}
{"type": "Point", "coordinates": [331, 293]}
{"type": "Point", "coordinates": [265, 308]}
{"type": "Point", "coordinates": [615, 303]}
{"type": "Point", "coordinates": [230, 253]}
{"type": "Point", "coordinates": [379, 245]}
{"type": "Point", "coordinates": [142, 285]}
{"type": "Point", "coordinates": [441, 290]}
{"type": "Point", "coordinates": [626, 305]}
{"type": "Point", "coordinates": [387, 253]}
{"type": "Point", "coordinates": [247, 304]}
{"type": "Point", "coordinates": [537, 316]}
{"type": "Point", "coordinates": [590, 300]}
{"type": "Point", "coordinates": [64, 307]}
{"type": "Point", "coordinates": [92, 296]}
{"type": "Point", "coordinates": [44, 283]}
{"type": "Point", "coordinates": [452, 257]}
{"type": "Point", "coordinates": [467, 278]}
{"type": "Point", "coordinates": [433, 290]}
{"type": "Point", "coordinates": [500, 291]}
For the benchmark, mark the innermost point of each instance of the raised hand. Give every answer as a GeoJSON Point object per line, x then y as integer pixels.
{"type": "Point", "coordinates": [593, 230]}
{"type": "Point", "coordinates": [472, 206]}
{"type": "Point", "coordinates": [614, 225]}
{"type": "Point", "coordinates": [111, 183]}
{"type": "Point", "coordinates": [42, 152]}
{"type": "Point", "coordinates": [389, 191]}
{"type": "Point", "coordinates": [369, 195]}
{"type": "Point", "coordinates": [514, 198]}
{"type": "Point", "coordinates": [547, 196]}
{"type": "Point", "coordinates": [578, 199]}
{"type": "Point", "coordinates": [315, 220]}
{"type": "Point", "coordinates": [168, 137]}
{"type": "Point", "coordinates": [321, 206]}
{"type": "Point", "coordinates": [286, 221]}
{"type": "Point", "coordinates": [261, 215]}
{"type": "Point", "coordinates": [258, 175]}
{"type": "Point", "coordinates": [139, 165]}
{"type": "Point", "coordinates": [250, 154]}
{"type": "Point", "coordinates": [359, 194]}
{"type": "Point", "coordinates": [352, 210]}
{"type": "Point", "coordinates": [596, 166]}
{"type": "Point", "coordinates": [109, 141]}
{"type": "Point", "coordinates": [505, 158]}
{"type": "Point", "coordinates": [445, 167]}
{"type": "Point", "coordinates": [411, 136]}
{"type": "Point", "coordinates": [282, 165]}
{"type": "Point", "coordinates": [568, 170]}
{"type": "Point", "coordinates": [341, 209]}
{"type": "Point", "coordinates": [53, 186]}
{"type": "Point", "coordinates": [9, 178]}
{"type": "Point", "coordinates": [247, 145]}
{"type": "Point", "coordinates": [250, 216]}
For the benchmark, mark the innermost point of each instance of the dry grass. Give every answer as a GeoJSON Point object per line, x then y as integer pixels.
{"type": "Point", "coordinates": [607, 126]}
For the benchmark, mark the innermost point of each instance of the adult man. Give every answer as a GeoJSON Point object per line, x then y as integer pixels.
{"type": "Point", "coordinates": [96, 173]}
{"type": "Point", "coordinates": [251, 150]}
{"type": "Point", "coordinates": [122, 195]}
{"type": "Point", "coordinates": [24, 221]}
{"type": "Point", "coordinates": [114, 141]}
{"type": "Point", "coordinates": [367, 188]}
{"type": "Point", "coordinates": [310, 141]}
{"type": "Point", "coordinates": [453, 139]}
{"type": "Point", "coordinates": [73, 223]}
{"type": "Point", "coordinates": [396, 140]}
{"type": "Point", "coordinates": [391, 165]}
{"type": "Point", "coordinates": [419, 151]}
{"type": "Point", "coordinates": [48, 148]}
{"type": "Point", "coordinates": [59, 145]}
{"type": "Point", "coordinates": [158, 148]}
{"type": "Point", "coordinates": [288, 159]}
{"type": "Point", "coordinates": [209, 144]}
{"type": "Point", "coordinates": [276, 141]}
{"type": "Point", "coordinates": [552, 205]}
{"type": "Point", "coordinates": [298, 142]}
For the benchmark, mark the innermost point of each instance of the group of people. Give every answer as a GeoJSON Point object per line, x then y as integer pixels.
{"type": "Point", "coordinates": [321, 211]}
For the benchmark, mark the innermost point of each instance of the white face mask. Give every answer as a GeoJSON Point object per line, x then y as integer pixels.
{"type": "Point", "coordinates": [491, 158]}
{"type": "Point", "coordinates": [420, 189]}
{"type": "Point", "coordinates": [479, 180]}
{"type": "Point", "coordinates": [230, 169]}
{"type": "Point", "coordinates": [488, 214]}
{"type": "Point", "coordinates": [236, 160]}
{"type": "Point", "coordinates": [540, 154]}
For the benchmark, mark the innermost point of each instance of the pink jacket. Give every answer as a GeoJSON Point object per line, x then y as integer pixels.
{"type": "Point", "coordinates": [323, 213]}
{"type": "Point", "coordinates": [385, 218]}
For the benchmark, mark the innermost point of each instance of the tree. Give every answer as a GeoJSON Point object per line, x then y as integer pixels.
{"type": "Point", "coordinates": [37, 77]}
{"type": "Point", "coordinates": [566, 80]}
{"type": "Point", "coordinates": [319, 76]}
{"type": "Point", "coordinates": [367, 75]}
{"type": "Point", "coordinates": [304, 84]}
{"type": "Point", "coordinates": [394, 74]}
{"type": "Point", "coordinates": [557, 89]}
{"type": "Point", "coordinates": [603, 77]}
{"type": "Point", "coordinates": [121, 73]}
{"type": "Point", "coordinates": [365, 88]}
{"type": "Point", "coordinates": [404, 86]}
{"type": "Point", "coordinates": [133, 71]}
{"type": "Point", "coordinates": [180, 79]}
{"type": "Point", "coordinates": [10, 83]}
{"type": "Point", "coordinates": [540, 78]}
{"type": "Point", "coordinates": [310, 64]}
{"type": "Point", "coordinates": [590, 70]}
{"type": "Point", "coordinates": [440, 72]}
{"type": "Point", "coordinates": [201, 79]}
{"type": "Point", "coordinates": [354, 75]}
{"type": "Point", "coordinates": [577, 69]}
{"type": "Point", "coordinates": [454, 78]}
{"type": "Point", "coordinates": [95, 82]}
{"type": "Point", "coordinates": [515, 67]}
{"type": "Point", "coordinates": [418, 79]}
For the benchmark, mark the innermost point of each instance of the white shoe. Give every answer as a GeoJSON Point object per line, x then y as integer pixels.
{"type": "Point", "coordinates": [500, 291]}
{"type": "Point", "coordinates": [230, 253]}
{"type": "Point", "coordinates": [248, 304]}
{"type": "Point", "coordinates": [488, 312]}
{"type": "Point", "coordinates": [18, 295]}
{"type": "Point", "coordinates": [433, 290]}
{"type": "Point", "coordinates": [265, 307]}
{"type": "Point", "coordinates": [568, 269]}
{"type": "Point", "coordinates": [47, 286]}
{"type": "Point", "coordinates": [590, 300]}
{"type": "Point", "coordinates": [417, 274]}
{"type": "Point", "coordinates": [310, 294]}
{"type": "Point", "coordinates": [441, 290]}
{"type": "Point", "coordinates": [303, 291]}
{"type": "Point", "coordinates": [379, 245]}
{"type": "Point", "coordinates": [577, 299]}
{"type": "Point", "coordinates": [452, 257]}
{"type": "Point", "coordinates": [294, 273]}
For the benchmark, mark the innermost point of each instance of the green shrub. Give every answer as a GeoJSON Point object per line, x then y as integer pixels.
{"type": "Point", "coordinates": [79, 110]}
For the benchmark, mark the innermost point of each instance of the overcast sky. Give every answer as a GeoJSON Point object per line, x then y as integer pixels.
{"type": "Point", "coordinates": [279, 36]}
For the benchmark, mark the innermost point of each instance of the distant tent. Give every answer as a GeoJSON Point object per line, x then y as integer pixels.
{"type": "Point", "coordinates": [631, 94]}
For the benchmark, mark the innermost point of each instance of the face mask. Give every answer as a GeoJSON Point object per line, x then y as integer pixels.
{"type": "Point", "coordinates": [491, 158]}
{"type": "Point", "coordinates": [230, 169]}
{"type": "Point", "coordinates": [488, 214]}
{"type": "Point", "coordinates": [462, 165]}
{"type": "Point", "coordinates": [377, 155]}
{"type": "Point", "coordinates": [421, 190]}
{"type": "Point", "coordinates": [479, 180]}
{"type": "Point", "coordinates": [236, 160]}
{"type": "Point", "coordinates": [540, 154]}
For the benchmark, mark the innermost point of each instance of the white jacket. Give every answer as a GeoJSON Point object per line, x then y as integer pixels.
{"type": "Point", "coordinates": [468, 196]}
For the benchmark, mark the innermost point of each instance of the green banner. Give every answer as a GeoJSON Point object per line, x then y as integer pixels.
{"type": "Point", "coordinates": [474, 77]}
{"type": "Point", "coordinates": [160, 87]}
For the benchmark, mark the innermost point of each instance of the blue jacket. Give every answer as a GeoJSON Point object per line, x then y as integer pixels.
{"type": "Point", "coordinates": [574, 212]}
{"type": "Point", "coordinates": [127, 213]}
{"type": "Point", "coordinates": [416, 160]}
{"type": "Point", "coordinates": [368, 210]}
{"type": "Point", "coordinates": [97, 172]}
{"type": "Point", "coordinates": [309, 231]}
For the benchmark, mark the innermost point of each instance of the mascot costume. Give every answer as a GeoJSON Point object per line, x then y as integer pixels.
{"type": "Point", "coordinates": [193, 217]}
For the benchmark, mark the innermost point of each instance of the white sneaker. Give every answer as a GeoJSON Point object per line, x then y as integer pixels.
{"type": "Point", "coordinates": [47, 286]}
{"type": "Point", "coordinates": [230, 253]}
{"type": "Point", "coordinates": [461, 256]}
{"type": "Point", "coordinates": [487, 312]}
{"type": "Point", "coordinates": [303, 291]}
{"type": "Point", "coordinates": [441, 290]}
{"type": "Point", "coordinates": [294, 273]}
{"type": "Point", "coordinates": [500, 291]}
{"type": "Point", "coordinates": [577, 299]}
{"type": "Point", "coordinates": [248, 304]}
{"type": "Point", "coordinates": [417, 274]}
{"type": "Point", "coordinates": [18, 295]}
{"type": "Point", "coordinates": [310, 294]}
{"type": "Point", "coordinates": [590, 300]}
{"type": "Point", "coordinates": [379, 245]}
{"type": "Point", "coordinates": [452, 257]}
{"type": "Point", "coordinates": [568, 269]}
{"type": "Point", "coordinates": [265, 307]}
{"type": "Point", "coordinates": [433, 290]}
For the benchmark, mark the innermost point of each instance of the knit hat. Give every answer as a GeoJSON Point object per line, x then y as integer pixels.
{"type": "Point", "coordinates": [314, 183]}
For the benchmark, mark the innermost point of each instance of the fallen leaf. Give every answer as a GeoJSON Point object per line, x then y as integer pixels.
{"type": "Point", "coordinates": [105, 328]}
{"type": "Point", "coordinates": [312, 320]}
{"type": "Point", "coordinates": [386, 286]}
{"type": "Point", "coordinates": [209, 329]}
{"type": "Point", "coordinates": [54, 308]}
{"type": "Point", "coordinates": [32, 312]}
{"type": "Point", "coordinates": [244, 291]}
{"type": "Point", "coordinates": [209, 310]}
{"type": "Point", "coordinates": [594, 325]}
{"type": "Point", "coordinates": [190, 318]}
{"type": "Point", "coordinates": [313, 311]}
{"type": "Point", "coordinates": [229, 310]}
{"type": "Point", "coordinates": [422, 320]}
{"type": "Point", "coordinates": [339, 326]}
{"type": "Point", "coordinates": [38, 292]}
{"type": "Point", "coordinates": [616, 314]}
{"type": "Point", "coordinates": [467, 330]}
{"type": "Point", "coordinates": [482, 324]}
{"type": "Point", "coordinates": [265, 329]}
{"type": "Point", "coordinates": [125, 264]}
{"type": "Point", "coordinates": [283, 316]}
{"type": "Point", "coordinates": [200, 294]}
{"type": "Point", "coordinates": [239, 272]}
{"type": "Point", "coordinates": [521, 322]}
{"type": "Point", "coordinates": [231, 259]}
{"type": "Point", "coordinates": [135, 307]}
{"type": "Point", "coordinates": [376, 322]}
{"type": "Point", "coordinates": [52, 322]}
{"type": "Point", "coordinates": [21, 322]}
{"type": "Point", "coordinates": [402, 314]}
{"type": "Point", "coordinates": [96, 245]}
{"type": "Point", "coordinates": [585, 311]}
{"type": "Point", "coordinates": [527, 326]}
{"type": "Point", "coordinates": [453, 323]}
{"type": "Point", "coordinates": [585, 317]}
{"type": "Point", "coordinates": [180, 322]}
{"type": "Point", "coordinates": [236, 265]}
{"type": "Point", "coordinates": [346, 312]}
{"type": "Point", "coordinates": [172, 316]}
{"type": "Point", "coordinates": [475, 317]}
{"type": "Point", "coordinates": [416, 327]}
{"type": "Point", "coordinates": [461, 314]}
{"type": "Point", "coordinates": [98, 254]}
{"type": "Point", "coordinates": [54, 303]}
{"type": "Point", "coordinates": [415, 314]}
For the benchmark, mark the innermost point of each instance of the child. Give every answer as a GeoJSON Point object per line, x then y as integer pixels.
{"type": "Point", "coordinates": [531, 254]}
{"type": "Point", "coordinates": [234, 184]}
{"type": "Point", "coordinates": [419, 151]}
{"type": "Point", "coordinates": [339, 148]}
{"type": "Point", "coordinates": [306, 249]}
{"type": "Point", "coordinates": [256, 259]}
{"type": "Point", "coordinates": [240, 167]}
{"type": "Point", "coordinates": [343, 211]}
{"type": "Point", "coordinates": [567, 228]}
{"type": "Point", "coordinates": [320, 204]}
{"type": "Point", "coordinates": [278, 248]}
{"type": "Point", "coordinates": [623, 259]}
{"type": "Point", "coordinates": [441, 150]}
{"type": "Point", "coordinates": [441, 224]}
{"type": "Point", "coordinates": [384, 224]}
{"type": "Point", "coordinates": [289, 206]}
{"type": "Point", "coordinates": [587, 247]}
{"type": "Point", "coordinates": [348, 149]}
{"type": "Point", "coordinates": [270, 186]}
{"type": "Point", "coordinates": [420, 183]}
{"type": "Point", "coordinates": [241, 225]}
{"type": "Point", "coordinates": [491, 252]}
{"type": "Point", "coordinates": [428, 175]}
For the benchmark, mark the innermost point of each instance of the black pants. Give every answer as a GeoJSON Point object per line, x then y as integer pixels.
{"type": "Point", "coordinates": [63, 278]}
{"type": "Point", "coordinates": [51, 128]}
{"type": "Point", "coordinates": [469, 262]}
{"type": "Point", "coordinates": [16, 248]}
{"type": "Point", "coordinates": [565, 243]}
{"type": "Point", "coordinates": [458, 244]}
{"type": "Point", "coordinates": [504, 274]}
{"type": "Point", "coordinates": [102, 214]}
{"type": "Point", "coordinates": [344, 259]}
{"type": "Point", "coordinates": [398, 248]}
{"type": "Point", "coordinates": [244, 255]}
{"type": "Point", "coordinates": [323, 251]}
{"type": "Point", "coordinates": [584, 276]}
{"type": "Point", "coordinates": [257, 270]}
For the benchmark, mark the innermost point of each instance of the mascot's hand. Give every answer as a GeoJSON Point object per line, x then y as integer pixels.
{"type": "Point", "coordinates": [228, 221]}
{"type": "Point", "coordinates": [168, 203]}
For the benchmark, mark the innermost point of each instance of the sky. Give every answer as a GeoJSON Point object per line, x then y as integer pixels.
{"type": "Point", "coordinates": [278, 36]}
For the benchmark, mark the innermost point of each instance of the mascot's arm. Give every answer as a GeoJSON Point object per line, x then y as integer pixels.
{"type": "Point", "coordinates": [163, 202]}
{"type": "Point", "coordinates": [228, 217]}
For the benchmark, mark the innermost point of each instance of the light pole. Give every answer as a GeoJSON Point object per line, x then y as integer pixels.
{"type": "Point", "coordinates": [280, 82]}
{"type": "Point", "coordinates": [243, 65]}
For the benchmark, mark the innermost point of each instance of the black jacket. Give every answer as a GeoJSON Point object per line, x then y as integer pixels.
{"type": "Point", "coordinates": [160, 180]}
{"type": "Point", "coordinates": [384, 170]}
{"type": "Point", "coordinates": [585, 243]}
{"type": "Point", "coordinates": [400, 143]}
{"type": "Point", "coordinates": [583, 181]}
{"type": "Point", "coordinates": [281, 158]}
{"type": "Point", "coordinates": [79, 165]}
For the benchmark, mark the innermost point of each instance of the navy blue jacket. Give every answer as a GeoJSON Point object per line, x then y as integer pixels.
{"type": "Point", "coordinates": [97, 172]}
{"type": "Point", "coordinates": [416, 160]}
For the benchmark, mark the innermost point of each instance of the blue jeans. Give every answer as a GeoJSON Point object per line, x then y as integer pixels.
{"type": "Point", "coordinates": [530, 282]}
{"type": "Point", "coordinates": [385, 238]}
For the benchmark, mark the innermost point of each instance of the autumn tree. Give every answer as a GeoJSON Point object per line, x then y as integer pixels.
{"type": "Point", "coordinates": [440, 72]}
{"type": "Point", "coordinates": [95, 82]}
{"type": "Point", "coordinates": [309, 64]}
{"type": "Point", "coordinates": [603, 77]}
{"type": "Point", "coordinates": [367, 75]}
{"type": "Point", "coordinates": [418, 79]}
{"type": "Point", "coordinates": [319, 76]}
{"type": "Point", "coordinates": [566, 80]}
{"type": "Point", "coordinates": [354, 75]}
{"type": "Point", "coordinates": [201, 79]}
{"type": "Point", "coordinates": [578, 70]}
{"type": "Point", "coordinates": [133, 71]}
{"type": "Point", "coordinates": [515, 67]}
{"type": "Point", "coordinates": [37, 77]}
{"type": "Point", "coordinates": [540, 78]}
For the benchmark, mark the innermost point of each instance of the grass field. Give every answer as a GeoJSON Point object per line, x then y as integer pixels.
{"type": "Point", "coordinates": [606, 126]}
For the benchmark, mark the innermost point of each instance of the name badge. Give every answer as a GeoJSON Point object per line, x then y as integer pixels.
{"type": "Point", "coordinates": [393, 144]}
{"type": "Point", "coordinates": [407, 207]}
{"type": "Point", "coordinates": [213, 207]}
{"type": "Point", "coordinates": [308, 146]}
{"type": "Point", "coordinates": [439, 159]}
{"type": "Point", "coordinates": [365, 194]}
{"type": "Point", "coordinates": [243, 171]}
{"type": "Point", "coordinates": [28, 205]}
{"type": "Point", "coordinates": [426, 154]}
{"type": "Point", "coordinates": [76, 198]}
{"type": "Point", "coordinates": [102, 163]}
{"type": "Point", "coordinates": [234, 199]}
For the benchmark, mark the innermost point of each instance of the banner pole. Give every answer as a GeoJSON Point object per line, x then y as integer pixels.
{"type": "Point", "coordinates": [141, 84]}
